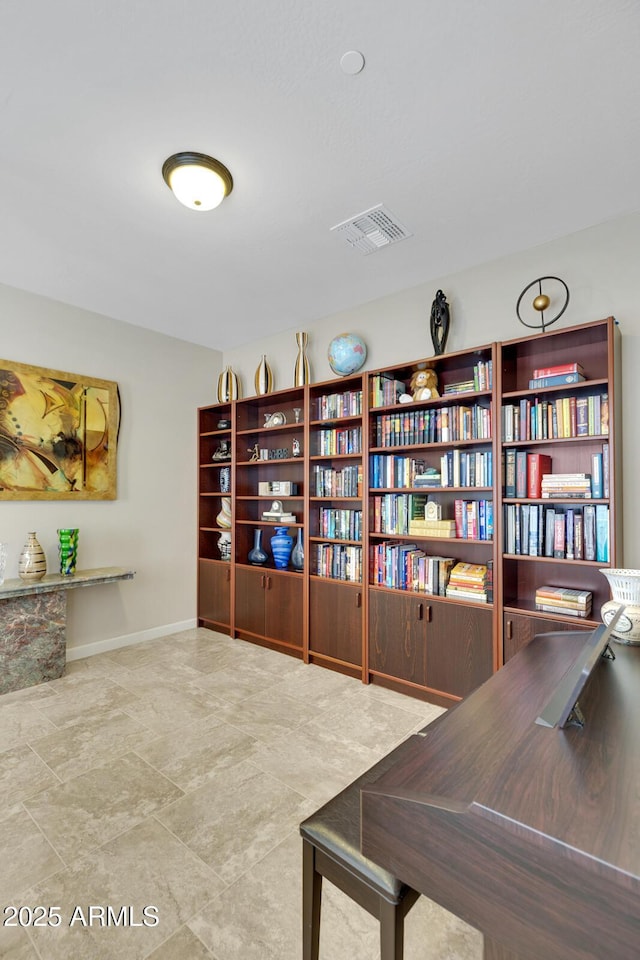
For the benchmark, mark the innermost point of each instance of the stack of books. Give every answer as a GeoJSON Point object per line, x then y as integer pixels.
{"type": "Point", "coordinates": [433, 528]}
{"type": "Point", "coordinates": [463, 386]}
{"type": "Point", "coordinates": [565, 485]}
{"type": "Point", "coordinates": [470, 581]}
{"type": "Point", "coordinates": [563, 600]}
{"type": "Point", "coordinates": [556, 376]}
{"type": "Point", "coordinates": [430, 478]}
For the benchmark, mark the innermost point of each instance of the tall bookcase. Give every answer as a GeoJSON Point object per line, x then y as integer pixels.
{"type": "Point", "coordinates": [438, 451]}
{"type": "Point", "coordinates": [337, 524]}
{"type": "Point", "coordinates": [389, 496]}
{"type": "Point", "coordinates": [214, 485]}
{"type": "Point", "coordinates": [270, 604]}
{"type": "Point", "coordinates": [569, 424]}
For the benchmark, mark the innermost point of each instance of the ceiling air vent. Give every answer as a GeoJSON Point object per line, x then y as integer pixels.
{"type": "Point", "coordinates": [372, 230]}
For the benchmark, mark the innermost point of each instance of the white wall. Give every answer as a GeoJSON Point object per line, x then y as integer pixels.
{"type": "Point", "coordinates": [151, 526]}
{"type": "Point", "coordinates": [601, 268]}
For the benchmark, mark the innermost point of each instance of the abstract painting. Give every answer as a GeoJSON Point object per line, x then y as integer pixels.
{"type": "Point", "coordinates": [58, 435]}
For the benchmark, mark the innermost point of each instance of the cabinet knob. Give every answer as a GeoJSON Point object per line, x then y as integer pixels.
{"type": "Point", "coordinates": [419, 611]}
{"type": "Point", "coordinates": [358, 599]}
{"type": "Point", "coordinates": [428, 613]}
{"type": "Point", "coordinates": [268, 579]}
{"type": "Point", "coordinates": [262, 581]}
{"type": "Point", "coordinates": [509, 630]}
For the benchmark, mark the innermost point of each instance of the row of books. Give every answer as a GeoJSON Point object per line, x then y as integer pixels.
{"type": "Point", "coordinates": [404, 566]}
{"type": "Point", "coordinates": [340, 524]}
{"type": "Point", "coordinates": [556, 375]}
{"type": "Point", "coordinates": [387, 470]}
{"type": "Point", "coordinates": [542, 419]}
{"type": "Point", "coordinates": [458, 468]}
{"type": "Point", "coordinates": [564, 600]}
{"type": "Point", "coordinates": [529, 475]}
{"type": "Point", "coordinates": [473, 519]}
{"type": "Point", "coordinates": [329, 482]}
{"type": "Point", "coordinates": [338, 561]}
{"type": "Point", "coordinates": [332, 405]}
{"type": "Point", "coordinates": [433, 425]}
{"type": "Point", "coordinates": [471, 581]}
{"type": "Point", "coordinates": [536, 530]}
{"type": "Point", "coordinates": [339, 440]}
{"type": "Point", "coordinates": [393, 512]}
{"type": "Point", "coordinates": [482, 379]}
{"type": "Point", "coordinates": [385, 389]}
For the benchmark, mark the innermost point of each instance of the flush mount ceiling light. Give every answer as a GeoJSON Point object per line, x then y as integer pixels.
{"type": "Point", "coordinates": [198, 181]}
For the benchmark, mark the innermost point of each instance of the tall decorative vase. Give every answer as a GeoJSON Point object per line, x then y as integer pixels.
{"type": "Point", "coordinates": [264, 377]}
{"type": "Point", "coordinates": [68, 551]}
{"type": "Point", "coordinates": [297, 554]}
{"type": "Point", "coordinates": [32, 563]}
{"type": "Point", "coordinates": [228, 386]}
{"type": "Point", "coordinates": [257, 555]}
{"type": "Point", "coordinates": [302, 372]}
{"type": "Point", "coordinates": [224, 517]}
{"type": "Point", "coordinates": [281, 545]}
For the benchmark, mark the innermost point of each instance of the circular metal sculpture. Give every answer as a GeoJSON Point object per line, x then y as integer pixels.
{"type": "Point", "coordinates": [440, 321]}
{"type": "Point", "coordinates": [542, 302]}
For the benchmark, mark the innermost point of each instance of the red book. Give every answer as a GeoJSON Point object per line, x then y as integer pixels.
{"type": "Point", "coordinates": [557, 371]}
{"type": "Point", "coordinates": [537, 464]}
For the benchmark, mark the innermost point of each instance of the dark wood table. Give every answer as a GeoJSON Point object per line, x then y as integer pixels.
{"type": "Point", "coordinates": [530, 834]}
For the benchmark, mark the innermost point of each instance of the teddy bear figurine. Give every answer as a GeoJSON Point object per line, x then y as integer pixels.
{"type": "Point", "coordinates": [424, 385]}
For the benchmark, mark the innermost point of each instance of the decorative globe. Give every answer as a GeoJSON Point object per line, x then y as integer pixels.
{"type": "Point", "coordinates": [347, 353]}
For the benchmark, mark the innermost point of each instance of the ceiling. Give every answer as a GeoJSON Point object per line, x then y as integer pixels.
{"type": "Point", "coordinates": [485, 127]}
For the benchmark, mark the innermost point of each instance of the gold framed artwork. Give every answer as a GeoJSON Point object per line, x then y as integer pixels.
{"type": "Point", "coordinates": [58, 434]}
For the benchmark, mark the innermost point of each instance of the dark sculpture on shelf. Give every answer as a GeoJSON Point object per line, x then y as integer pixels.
{"type": "Point", "coordinates": [440, 321]}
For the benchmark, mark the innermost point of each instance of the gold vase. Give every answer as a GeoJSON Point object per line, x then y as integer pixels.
{"type": "Point", "coordinates": [302, 372]}
{"type": "Point", "coordinates": [264, 377]}
{"type": "Point", "coordinates": [228, 386]}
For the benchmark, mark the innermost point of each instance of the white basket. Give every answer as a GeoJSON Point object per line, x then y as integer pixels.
{"type": "Point", "coordinates": [625, 584]}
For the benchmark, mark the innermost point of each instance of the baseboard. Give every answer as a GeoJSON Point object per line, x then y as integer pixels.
{"type": "Point", "coordinates": [129, 640]}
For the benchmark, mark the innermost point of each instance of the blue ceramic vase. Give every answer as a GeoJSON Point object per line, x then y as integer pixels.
{"type": "Point", "coordinates": [257, 555]}
{"type": "Point", "coordinates": [281, 545]}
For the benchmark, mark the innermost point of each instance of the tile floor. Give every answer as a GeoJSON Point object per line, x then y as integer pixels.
{"type": "Point", "coordinates": [174, 775]}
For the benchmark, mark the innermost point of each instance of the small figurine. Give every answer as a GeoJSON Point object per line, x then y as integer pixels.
{"type": "Point", "coordinates": [223, 452]}
{"type": "Point", "coordinates": [296, 448]}
{"type": "Point", "coordinates": [424, 385]}
{"type": "Point", "coordinates": [255, 453]}
{"type": "Point", "coordinates": [440, 320]}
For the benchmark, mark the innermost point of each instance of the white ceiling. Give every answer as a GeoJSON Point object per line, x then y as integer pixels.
{"type": "Point", "coordinates": [485, 126]}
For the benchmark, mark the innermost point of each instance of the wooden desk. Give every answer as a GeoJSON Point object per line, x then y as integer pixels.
{"type": "Point", "coordinates": [33, 624]}
{"type": "Point", "coordinates": [530, 834]}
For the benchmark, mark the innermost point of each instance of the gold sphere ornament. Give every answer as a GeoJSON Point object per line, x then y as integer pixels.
{"type": "Point", "coordinates": [541, 302]}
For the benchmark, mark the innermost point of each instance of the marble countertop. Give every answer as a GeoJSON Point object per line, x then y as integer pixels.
{"type": "Point", "coordinates": [54, 581]}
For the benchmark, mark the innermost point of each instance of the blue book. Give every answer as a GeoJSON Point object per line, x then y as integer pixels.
{"type": "Point", "coordinates": [557, 381]}
{"type": "Point", "coordinates": [602, 533]}
{"type": "Point", "coordinates": [597, 486]}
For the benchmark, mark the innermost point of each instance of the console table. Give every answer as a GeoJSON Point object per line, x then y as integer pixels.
{"type": "Point", "coordinates": [528, 833]}
{"type": "Point", "coordinates": [33, 621]}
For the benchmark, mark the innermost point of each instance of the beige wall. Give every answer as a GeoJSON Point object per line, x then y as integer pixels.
{"type": "Point", "coordinates": [151, 527]}
{"type": "Point", "coordinates": [600, 267]}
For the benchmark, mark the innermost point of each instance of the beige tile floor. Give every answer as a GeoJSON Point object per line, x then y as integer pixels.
{"type": "Point", "coordinates": [174, 775]}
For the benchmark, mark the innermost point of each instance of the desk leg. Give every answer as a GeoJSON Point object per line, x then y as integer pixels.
{"type": "Point", "coordinates": [33, 644]}
{"type": "Point", "coordinates": [495, 951]}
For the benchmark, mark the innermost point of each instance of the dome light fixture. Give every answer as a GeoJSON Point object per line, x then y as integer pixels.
{"type": "Point", "coordinates": [198, 181]}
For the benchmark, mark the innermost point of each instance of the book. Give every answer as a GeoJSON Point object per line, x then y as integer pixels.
{"type": "Point", "coordinates": [559, 536]}
{"type": "Point", "coordinates": [555, 381]}
{"type": "Point", "coordinates": [537, 465]}
{"type": "Point", "coordinates": [602, 533]}
{"type": "Point", "coordinates": [557, 370]}
{"type": "Point", "coordinates": [510, 472]}
{"type": "Point", "coordinates": [565, 593]}
{"type": "Point", "coordinates": [605, 471]}
{"type": "Point", "coordinates": [589, 531]}
{"type": "Point", "coordinates": [597, 485]}
{"type": "Point", "coordinates": [563, 611]}
{"type": "Point", "coordinates": [521, 474]}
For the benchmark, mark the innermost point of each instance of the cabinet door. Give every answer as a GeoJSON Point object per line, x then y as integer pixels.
{"type": "Point", "coordinates": [519, 630]}
{"type": "Point", "coordinates": [283, 608]}
{"type": "Point", "coordinates": [335, 621]}
{"type": "Point", "coordinates": [250, 600]}
{"type": "Point", "coordinates": [214, 594]}
{"type": "Point", "coordinates": [459, 647]}
{"type": "Point", "coordinates": [397, 637]}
